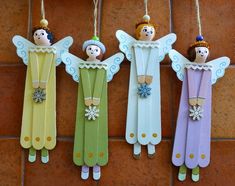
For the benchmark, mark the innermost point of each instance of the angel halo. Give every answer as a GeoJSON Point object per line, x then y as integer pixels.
{"type": "Point", "coordinates": [38, 130]}
{"type": "Point", "coordinates": [192, 136]}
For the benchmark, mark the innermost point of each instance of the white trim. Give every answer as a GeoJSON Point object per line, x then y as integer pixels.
{"type": "Point", "coordinates": [43, 49]}
{"type": "Point", "coordinates": [93, 64]}
{"type": "Point", "coordinates": [197, 66]}
{"type": "Point", "coordinates": [146, 44]}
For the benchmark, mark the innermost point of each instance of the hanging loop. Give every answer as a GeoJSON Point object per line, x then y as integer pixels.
{"type": "Point", "coordinates": [95, 16]}
{"type": "Point", "coordinates": [198, 17]}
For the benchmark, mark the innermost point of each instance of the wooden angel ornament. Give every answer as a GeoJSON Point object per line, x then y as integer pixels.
{"type": "Point", "coordinates": [192, 136]}
{"type": "Point", "coordinates": [143, 124]}
{"type": "Point", "coordinates": [38, 131]}
{"type": "Point", "coordinates": [91, 131]}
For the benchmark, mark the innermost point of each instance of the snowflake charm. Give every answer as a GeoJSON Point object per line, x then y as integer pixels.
{"type": "Point", "coordinates": [144, 90]}
{"type": "Point", "coordinates": [92, 113]}
{"type": "Point", "coordinates": [39, 95]}
{"type": "Point", "coordinates": [196, 113]}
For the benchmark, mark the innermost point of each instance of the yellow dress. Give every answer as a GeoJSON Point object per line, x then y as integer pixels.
{"type": "Point", "coordinates": [39, 119]}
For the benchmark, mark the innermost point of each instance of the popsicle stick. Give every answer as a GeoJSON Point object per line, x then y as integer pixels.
{"type": "Point", "coordinates": [39, 115]}
{"type": "Point", "coordinates": [46, 69]}
{"type": "Point", "coordinates": [50, 120]}
{"type": "Point", "coordinates": [26, 127]}
{"type": "Point", "coordinates": [103, 125]}
{"type": "Point", "coordinates": [33, 60]}
{"type": "Point", "coordinates": [91, 132]}
{"type": "Point", "coordinates": [140, 63]}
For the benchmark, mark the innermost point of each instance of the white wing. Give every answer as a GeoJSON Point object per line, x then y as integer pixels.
{"type": "Point", "coordinates": [165, 45]}
{"type": "Point", "coordinates": [126, 42]}
{"type": "Point", "coordinates": [61, 47]}
{"type": "Point", "coordinates": [218, 68]}
{"type": "Point", "coordinates": [71, 65]}
{"type": "Point", "coordinates": [178, 63]}
{"type": "Point", "coordinates": [113, 65]}
{"type": "Point", "coordinates": [22, 47]}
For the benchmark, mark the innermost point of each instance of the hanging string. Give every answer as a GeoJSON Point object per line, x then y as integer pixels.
{"type": "Point", "coordinates": [42, 9]}
{"type": "Point", "coordinates": [95, 16]}
{"type": "Point", "coordinates": [146, 6]}
{"type": "Point", "coordinates": [198, 17]}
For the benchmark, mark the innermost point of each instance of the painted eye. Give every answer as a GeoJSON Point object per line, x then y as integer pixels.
{"type": "Point", "coordinates": [151, 32]}
{"type": "Point", "coordinates": [205, 51]}
{"type": "Point", "coordinates": [89, 48]}
{"type": "Point", "coordinates": [96, 50]}
{"type": "Point", "coordinates": [43, 34]}
{"type": "Point", "coordinates": [199, 51]}
{"type": "Point", "coordinates": [145, 30]}
{"type": "Point", "coordinates": [36, 34]}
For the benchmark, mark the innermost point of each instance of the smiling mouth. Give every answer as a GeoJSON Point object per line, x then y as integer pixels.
{"type": "Point", "coordinates": [202, 55]}
{"type": "Point", "coordinates": [38, 37]}
{"type": "Point", "coordinates": [147, 35]}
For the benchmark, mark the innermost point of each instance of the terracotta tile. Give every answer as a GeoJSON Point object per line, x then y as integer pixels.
{"type": "Point", "coordinates": [10, 161]}
{"type": "Point", "coordinates": [123, 169]}
{"type": "Point", "coordinates": [11, 93]}
{"type": "Point", "coordinates": [218, 25]}
{"type": "Point", "coordinates": [14, 20]}
{"type": "Point", "coordinates": [59, 171]}
{"type": "Point", "coordinates": [221, 168]}
{"type": "Point", "coordinates": [223, 109]}
{"type": "Point", "coordinates": [66, 102]}
{"type": "Point", "coordinates": [124, 15]}
{"type": "Point", "coordinates": [68, 18]}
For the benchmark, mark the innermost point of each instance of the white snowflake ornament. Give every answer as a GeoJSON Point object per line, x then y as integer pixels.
{"type": "Point", "coordinates": [92, 113]}
{"type": "Point", "coordinates": [196, 113]}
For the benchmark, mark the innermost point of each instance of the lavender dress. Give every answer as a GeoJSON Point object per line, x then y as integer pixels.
{"type": "Point", "coordinates": [192, 137]}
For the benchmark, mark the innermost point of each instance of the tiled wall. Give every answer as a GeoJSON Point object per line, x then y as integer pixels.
{"type": "Point", "coordinates": [74, 17]}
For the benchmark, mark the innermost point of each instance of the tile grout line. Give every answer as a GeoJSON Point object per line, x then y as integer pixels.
{"type": "Point", "coordinates": [22, 167]}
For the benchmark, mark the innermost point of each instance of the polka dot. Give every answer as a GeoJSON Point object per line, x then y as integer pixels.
{"type": "Point", "coordinates": [101, 154]}
{"type": "Point", "coordinates": [37, 139]}
{"type": "Point", "coordinates": [143, 135]}
{"type": "Point", "coordinates": [191, 156]}
{"type": "Point", "coordinates": [78, 155]}
{"type": "Point", "coordinates": [132, 135]}
{"type": "Point", "coordinates": [154, 135]}
{"type": "Point", "coordinates": [48, 138]}
{"type": "Point", "coordinates": [26, 138]}
{"type": "Point", "coordinates": [90, 155]}
{"type": "Point", "coordinates": [178, 155]}
{"type": "Point", "coordinates": [203, 156]}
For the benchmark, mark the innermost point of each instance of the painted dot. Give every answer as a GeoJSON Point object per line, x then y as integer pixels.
{"type": "Point", "coordinates": [37, 139]}
{"type": "Point", "coordinates": [191, 156]}
{"type": "Point", "coordinates": [90, 155]}
{"type": "Point", "coordinates": [203, 156]}
{"type": "Point", "coordinates": [78, 155]}
{"type": "Point", "coordinates": [178, 155]}
{"type": "Point", "coordinates": [132, 135]}
{"type": "Point", "coordinates": [26, 138]}
{"type": "Point", "coordinates": [101, 154]}
{"type": "Point", "coordinates": [154, 135]}
{"type": "Point", "coordinates": [143, 135]}
{"type": "Point", "coordinates": [48, 138]}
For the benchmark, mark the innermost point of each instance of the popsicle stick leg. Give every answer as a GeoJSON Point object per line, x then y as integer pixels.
{"type": "Point", "coordinates": [195, 174]}
{"type": "Point", "coordinates": [96, 172]}
{"type": "Point", "coordinates": [32, 155]}
{"type": "Point", "coordinates": [44, 155]}
{"type": "Point", "coordinates": [137, 150]}
{"type": "Point", "coordinates": [85, 172]}
{"type": "Point", "coordinates": [151, 150]}
{"type": "Point", "coordinates": [182, 173]}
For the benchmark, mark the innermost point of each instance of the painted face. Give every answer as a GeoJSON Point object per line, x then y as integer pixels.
{"type": "Point", "coordinates": [93, 51]}
{"type": "Point", "coordinates": [40, 38]}
{"type": "Point", "coordinates": [147, 33]}
{"type": "Point", "coordinates": [201, 54]}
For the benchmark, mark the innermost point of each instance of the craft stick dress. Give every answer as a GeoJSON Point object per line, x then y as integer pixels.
{"type": "Point", "coordinates": [91, 136]}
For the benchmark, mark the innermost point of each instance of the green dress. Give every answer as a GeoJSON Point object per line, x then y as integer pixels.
{"type": "Point", "coordinates": [91, 136]}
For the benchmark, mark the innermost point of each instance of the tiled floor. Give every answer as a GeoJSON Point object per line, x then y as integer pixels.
{"type": "Point", "coordinates": [74, 17]}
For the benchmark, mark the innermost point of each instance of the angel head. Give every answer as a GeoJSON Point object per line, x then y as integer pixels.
{"type": "Point", "coordinates": [94, 49]}
{"type": "Point", "coordinates": [199, 51]}
{"type": "Point", "coordinates": [42, 35]}
{"type": "Point", "coordinates": [145, 31]}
